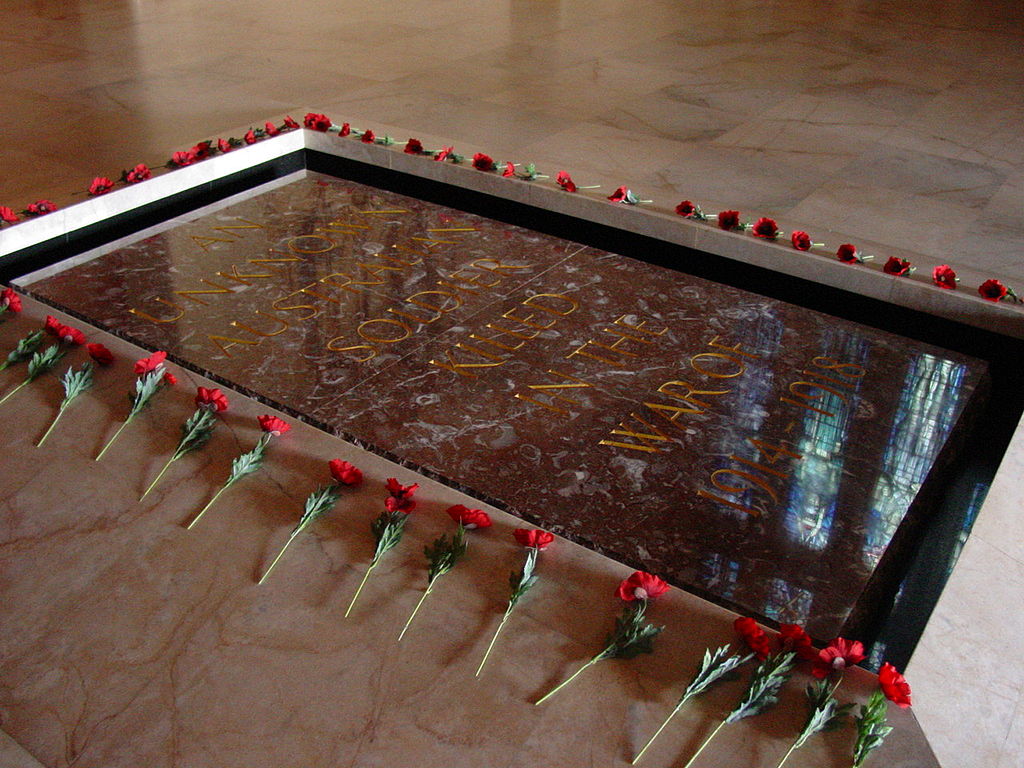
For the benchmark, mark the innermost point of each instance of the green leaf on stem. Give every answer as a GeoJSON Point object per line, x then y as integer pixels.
{"type": "Point", "coordinates": [44, 361]}
{"type": "Point", "coordinates": [387, 530]}
{"type": "Point", "coordinates": [320, 501]}
{"type": "Point", "coordinates": [248, 462]}
{"type": "Point", "coordinates": [196, 432]}
{"type": "Point", "coordinates": [632, 635]}
{"type": "Point", "coordinates": [763, 690]}
{"type": "Point", "coordinates": [521, 581]}
{"type": "Point", "coordinates": [824, 712]}
{"type": "Point", "coordinates": [75, 383]}
{"type": "Point", "coordinates": [871, 728]}
{"type": "Point", "coordinates": [146, 385]}
{"type": "Point", "coordinates": [715, 666]}
{"type": "Point", "coordinates": [24, 349]}
{"type": "Point", "coordinates": [444, 553]}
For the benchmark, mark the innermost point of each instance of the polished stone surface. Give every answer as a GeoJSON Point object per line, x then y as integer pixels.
{"type": "Point", "coordinates": [97, 85]}
{"type": "Point", "coordinates": [127, 640]}
{"type": "Point", "coordinates": [751, 450]}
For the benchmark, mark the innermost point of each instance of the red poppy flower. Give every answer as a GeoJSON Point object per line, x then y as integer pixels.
{"type": "Point", "coordinates": [898, 267]}
{"type": "Point", "coordinates": [139, 173]}
{"type": "Point", "coordinates": [151, 363]}
{"type": "Point", "coordinates": [442, 154]}
{"type": "Point", "coordinates": [202, 150]}
{"type": "Point", "coordinates": [170, 379]}
{"type": "Point", "coordinates": [992, 290]}
{"type": "Point", "coordinates": [70, 335]}
{"type": "Point", "coordinates": [944, 277]}
{"type": "Point", "coordinates": [894, 685]}
{"type": "Point", "coordinates": [400, 498]}
{"type": "Point", "coordinates": [100, 354]}
{"type": "Point", "coordinates": [837, 656]}
{"type": "Point", "coordinates": [413, 147]}
{"type": "Point", "coordinates": [367, 137]}
{"type": "Point", "coordinates": [273, 425]}
{"type": "Point", "coordinates": [289, 122]}
{"type": "Point", "coordinates": [801, 240]}
{"type": "Point", "coordinates": [224, 145]}
{"type": "Point", "coordinates": [316, 121]}
{"type": "Point", "coordinates": [535, 537]}
{"type": "Point", "coordinates": [641, 586]}
{"type": "Point", "coordinates": [346, 129]}
{"type": "Point", "coordinates": [250, 137]}
{"type": "Point", "coordinates": [8, 214]}
{"type": "Point", "coordinates": [745, 625]}
{"type": "Point", "coordinates": [793, 638]}
{"type": "Point", "coordinates": [100, 186]}
{"type": "Point", "coordinates": [181, 159]}
{"type": "Point", "coordinates": [469, 518]}
{"type": "Point", "coordinates": [510, 169]}
{"type": "Point", "coordinates": [211, 399]}
{"type": "Point", "coordinates": [847, 253]}
{"type": "Point", "coordinates": [753, 636]}
{"type": "Point", "coordinates": [728, 220]}
{"type": "Point", "coordinates": [766, 228]}
{"type": "Point", "coordinates": [10, 301]}
{"type": "Point", "coordinates": [564, 180]}
{"type": "Point", "coordinates": [345, 473]}
{"type": "Point", "coordinates": [41, 207]}
{"type": "Point", "coordinates": [686, 208]}
{"type": "Point", "coordinates": [51, 325]}
{"type": "Point", "coordinates": [270, 129]}
{"type": "Point", "coordinates": [483, 162]}
{"type": "Point", "coordinates": [619, 195]}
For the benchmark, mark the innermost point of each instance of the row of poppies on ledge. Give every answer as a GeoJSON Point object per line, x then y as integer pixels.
{"type": "Point", "coordinates": [632, 634]}
{"type": "Point", "coordinates": [943, 276]}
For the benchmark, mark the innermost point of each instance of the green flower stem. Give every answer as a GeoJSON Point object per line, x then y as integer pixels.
{"type": "Point", "coordinates": [157, 480]}
{"type": "Point", "coordinates": [657, 733]}
{"type": "Point", "coordinates": [53, 424]}
{"type": "Point", "coordinates": [208, 505]}
{"type": "Point", "coordinates": [13, 391]}
{"type": "Point", "coordinates": [361, 585]}
{"type": "Point", "coordinates": [110, 442]}
{"type": "Point", "coordinates": [706, 742]}
{"type": "Point", "coordinates": [785, 757]}
{"type": "Point", "coordinates": [415, 611]}
{"type": "Point", "coordinates": [564, 683]}
{"type": "Point", "coordinates": [508, 612]}
{"type": "Point", "coordinates": [283, 550]}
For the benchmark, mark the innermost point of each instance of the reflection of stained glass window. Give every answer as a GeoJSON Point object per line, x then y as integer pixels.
{"type": "Point", "coordinates": [719, 574]}
{"type": "Point", "coordinates": [810, 511]}
{"type": "Point", "coordinates": [924, 417]}
{"type": "Point", "coordinates": [786, 603]}
{"type": "Point", "coordinates": [749, 395]}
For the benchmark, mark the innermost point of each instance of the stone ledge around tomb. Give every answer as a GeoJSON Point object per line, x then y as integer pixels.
{"type": "Point", "coordinates": [912, 292]}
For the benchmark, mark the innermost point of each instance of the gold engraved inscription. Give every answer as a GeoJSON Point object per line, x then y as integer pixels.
{"type": "Point", "coordinates": [551, 391]}
{"type": "Point", "coordinates": [648, 442]}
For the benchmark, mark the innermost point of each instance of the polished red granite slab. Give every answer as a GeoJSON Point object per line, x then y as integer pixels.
{"type": "Point", "coordinates": [757, 452]}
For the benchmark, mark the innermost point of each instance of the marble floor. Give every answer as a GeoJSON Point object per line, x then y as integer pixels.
{"type": "Point", "coordinates": [892, 125]}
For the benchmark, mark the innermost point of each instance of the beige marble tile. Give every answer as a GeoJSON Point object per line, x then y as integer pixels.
{"type": "Point", "coordinates": [959, 670]}
{"type": "Point", "coordinates": [1011, 749]}
{"type": "Point", "coordinates": [12, 755]}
